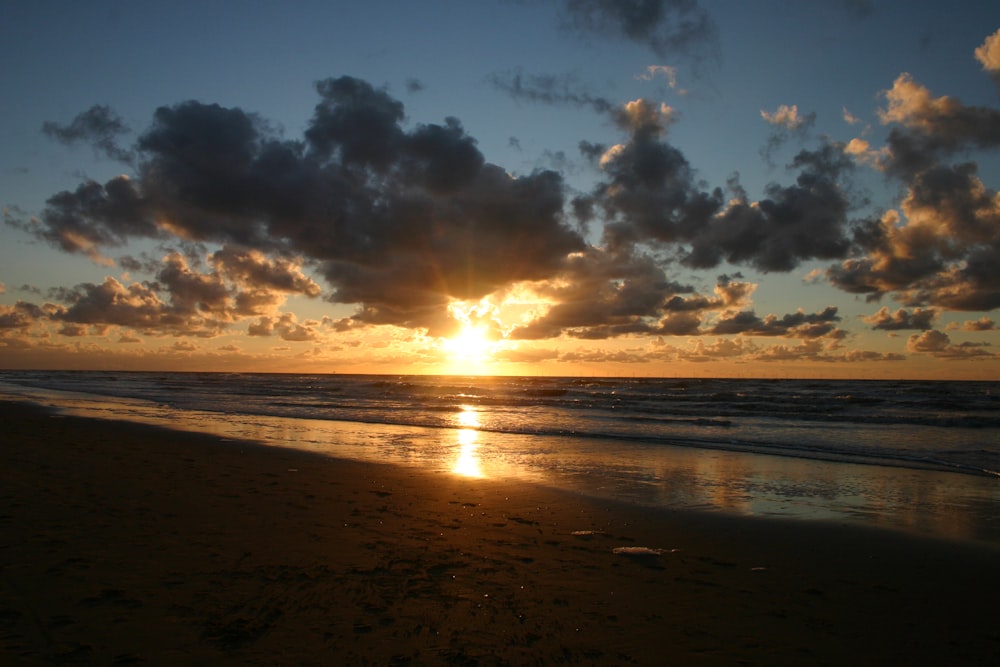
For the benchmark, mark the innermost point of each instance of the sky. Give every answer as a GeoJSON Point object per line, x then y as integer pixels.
{"type": "Point", "coordinates": [672, 188]}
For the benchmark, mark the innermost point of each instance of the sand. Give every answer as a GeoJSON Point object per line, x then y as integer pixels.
{"type": "Point", "coordinates": [129, 545]}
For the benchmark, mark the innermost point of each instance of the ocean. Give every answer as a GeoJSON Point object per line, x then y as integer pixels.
{"type": "Point", "coordinates": [920, 456]}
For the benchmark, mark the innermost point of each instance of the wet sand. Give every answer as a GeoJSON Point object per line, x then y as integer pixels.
{"type": "Point", "coordinates": [123, 544]}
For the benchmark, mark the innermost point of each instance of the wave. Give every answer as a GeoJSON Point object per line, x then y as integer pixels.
{"type": "Point", "coordinates": [943, 425]}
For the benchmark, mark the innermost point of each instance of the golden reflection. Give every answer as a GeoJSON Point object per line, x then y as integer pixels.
{"type": "Point", "coordinates": [467, 463]}
{"type": "Point", "coordinates": [468, 417]}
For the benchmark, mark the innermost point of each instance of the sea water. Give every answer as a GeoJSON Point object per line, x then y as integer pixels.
{"type": "Point", "coordinates": [913, 455]}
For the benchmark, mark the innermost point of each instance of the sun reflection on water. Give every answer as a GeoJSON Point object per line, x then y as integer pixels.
{"type": "Point", "coordinates": [467, 463]}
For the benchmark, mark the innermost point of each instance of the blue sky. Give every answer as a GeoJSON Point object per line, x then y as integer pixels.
{"type": "Point", "coordinates": [641, 285]}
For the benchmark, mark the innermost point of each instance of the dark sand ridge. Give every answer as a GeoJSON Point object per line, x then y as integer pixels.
{"type": "Point", "coordinates": [126, 544]}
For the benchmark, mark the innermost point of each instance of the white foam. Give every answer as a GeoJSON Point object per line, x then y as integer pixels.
{"type": "Point", "coordinates": [637, 551]}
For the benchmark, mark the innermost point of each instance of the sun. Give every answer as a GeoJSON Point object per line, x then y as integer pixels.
{"type": "Point", "coordinates": [471, 344]}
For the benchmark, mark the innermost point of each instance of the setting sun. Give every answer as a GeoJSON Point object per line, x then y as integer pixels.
{"type": "Point", "coordinates": [476, 340]}
{"type": "Point", "coordinates": [471, 344]}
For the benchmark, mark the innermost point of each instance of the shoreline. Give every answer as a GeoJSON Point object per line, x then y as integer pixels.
{"type": "Point", "coordinates": [944, 504]}
{"type": "Point", "coordinates": [132, 544]}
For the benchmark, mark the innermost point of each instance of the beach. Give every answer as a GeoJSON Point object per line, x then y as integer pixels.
{"type": "Point", "coordinates": [125, 544]}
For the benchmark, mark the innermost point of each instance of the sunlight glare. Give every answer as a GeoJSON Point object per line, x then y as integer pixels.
{"type": "Point", "coordinates": [467, 463]}
{"type": "Point", "coordinates": [470, 344]}
{"type": "Point", "coordinates": [473, 343]}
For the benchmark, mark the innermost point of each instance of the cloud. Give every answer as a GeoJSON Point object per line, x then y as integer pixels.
{"type": "Point", "coordinates": [93, 217]}
{"type": "Point", "coordinates": [193, 293]}
{"type": "Point", "coordinates": [601, 295]}
{"type": "Point", "coordinates": [786, 122]}
{"type": "Point", "coordinates": [747, 350]}
{"type": "Point", "coordinates": [652, 196]}
{"type": "Point", "coordinates": [140, 307]}
{"type": "Point", "coordinates": [793, 325]}
{"type": "Point", "coordinates": [931, 128]}
{"type": "Point", "coordinates": [988, 54]}
{"type": "Point", "coordinates": [901, 319]}
{"type": "Point", "coordinates": [18, 317]}
{"type": "Point", "coordinates": [73, 330]}
{"type": "Point", "coordinates": [788, 117]}
{"type": "Point", "coordinates": [99, 126]}
{"type": "Point", "coordinates": [679, 28]}
{"type": "Point", "coordinates": [654, 71]}
{"type": "Point", "coordinates": [606, 296]}
{"type": "Point", "coordinates": [398, 221]}
{"type": "Point", "coordinates": [938, 344]}
{"type": "Point", "coordinates": [947, 254]}
{"type": "Point", "coordinates": [564, 89]}
{"type": "Point", "coordinates": [942, 247]}
{"type": "Point", "coordinates": [286, 327]}
{"type": "Point", "coordinates": [262, 283]}
{"type": "Point", "coordinates": [862, 151]}
{"type": "Point", "coordinates": [984, 323]}
{"type": "Point", "coordinates": [849, 117]}
{"type": "Point", "coordinates": [180, 301]}
{"type": "Point", "coordinates": [721, 348]}
{"type": "Point", "coordinates": [401, 220]}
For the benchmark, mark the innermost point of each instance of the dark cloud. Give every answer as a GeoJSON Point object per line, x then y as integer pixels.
{"type": "Point", "coordinates": [669, 28]}
{"type": "Point", "coordinates": [355, 123]}
{"type": "Point", "coordinates": [600, 295]}
{"type": "Point", "coordinates": [402, 221]}
{"type": "Point", "coordinates": [191, 292]}
{"type": "Point", "coordinates": [652, 195]}
{"type": "Point", "coordinates": [398, 221]}
{"type": "Point", "coordinates": [651, 192]}
{"type": "Point", "coordinates": [98, 126]}
{"type": "Point", "coordinates": [92, 217]}
{"type": "Point", "coordinates": [929, 129]}
{"type": "Point", "coordinates": [947, 254]}
{"type": "Point", "coordinates": [134, 306]}
{"type": "Point", "coordinates": [902, 319]}
{"type": "Point", "coordinates": [181, 300]}
{"type": "Point", "coordinates": [251, 268]}
{"type": "Point", "coordinates": [18, 317]}
{"type": "Point", "coordinates": [944, 250]}
{"type": "Point", "coordinates": [807, 220]}
{"type": "Point", "coordinates": [565, 89]}
{"type": "Point", "coordinates": [792, 325]}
